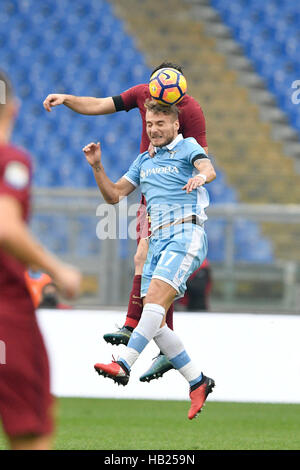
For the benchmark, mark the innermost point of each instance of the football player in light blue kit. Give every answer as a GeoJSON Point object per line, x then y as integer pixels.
{"type": "Point", "coordinates": [175, 249]}
{"type": "Point", "coordinates": [172, 182]}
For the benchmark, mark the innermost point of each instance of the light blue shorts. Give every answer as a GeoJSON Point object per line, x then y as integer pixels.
{"type": "Point", "coordinates": [173, 255]}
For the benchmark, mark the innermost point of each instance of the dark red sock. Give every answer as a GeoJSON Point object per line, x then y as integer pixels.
{"type": "Point", "coordinates": [135, 305]}
{"type": "Point", "coordinates": [169, 317]}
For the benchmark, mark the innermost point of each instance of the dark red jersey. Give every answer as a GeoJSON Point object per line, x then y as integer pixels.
{"type": "Point", "coordinates": [15, 181]}
{"type": "Point", "coordinates": [191, 117]}
{"type": "Point", "coordinates": [25, 400]}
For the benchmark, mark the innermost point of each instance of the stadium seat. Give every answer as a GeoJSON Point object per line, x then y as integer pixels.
{"type": "Point", "coordinates": [269, 34]}
{"type": "Point", "coordinates": [84, 49]}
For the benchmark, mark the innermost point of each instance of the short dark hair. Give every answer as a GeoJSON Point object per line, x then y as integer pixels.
{"type": "Point", "coordinates": [168, 65]}
{"type": "Point", "coordinates": [156, 108]}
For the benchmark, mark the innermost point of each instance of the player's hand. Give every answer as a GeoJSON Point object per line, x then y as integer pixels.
{"type": "Point", "coordinates": [92, 153]}
{"type": "Point", "coordinates": [68, 280]}
{"type": "Point", "coordinates": [53, 100]}
{"type": "Point", "coordinates": [151, 150]}
{"type": "Point", "coordinates": [193, 183]}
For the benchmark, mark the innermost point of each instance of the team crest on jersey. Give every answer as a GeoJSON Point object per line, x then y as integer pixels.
{"type": "Point", "coordinates": [172, 153]}
{"type": "Point", "coordinates": [16, 174]}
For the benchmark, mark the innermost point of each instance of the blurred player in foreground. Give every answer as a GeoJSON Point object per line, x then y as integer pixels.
{"type": "Point", "coordinates": [192, 124]}
{"type": "Point", "coordinates": [176, 201]}
{"type": "Point", "coordinates": [26, 405]}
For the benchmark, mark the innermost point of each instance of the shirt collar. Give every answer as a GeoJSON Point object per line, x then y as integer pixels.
{"type": "Point", "coordinates": [171, 145]}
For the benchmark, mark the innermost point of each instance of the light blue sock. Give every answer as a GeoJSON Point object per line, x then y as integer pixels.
{"type": "Point", "coordinates": [148, 326]}
{"type": "Point", "coordinates": [170, 344]}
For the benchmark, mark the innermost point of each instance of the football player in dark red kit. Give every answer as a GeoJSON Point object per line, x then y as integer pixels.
{"type": "Point", "coordinates": [192, 124]}
{"type": "Point", "coordinates": [25, 400]}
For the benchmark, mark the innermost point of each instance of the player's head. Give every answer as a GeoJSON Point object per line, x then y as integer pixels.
{"type": "Point", "coordinates": [8, 105]}
{"type": "Point", "coordinates": [167, 65]}
{"type": "Point", "coordinates": [162, 123]}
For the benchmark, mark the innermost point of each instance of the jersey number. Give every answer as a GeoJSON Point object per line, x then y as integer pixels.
{"type": "Point", "coordinates": [168, 260]}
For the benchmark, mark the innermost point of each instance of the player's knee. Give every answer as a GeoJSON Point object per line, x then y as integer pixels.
{"type": "Point", "coordinates": [138, 260]}
{"type": "Point", "coordinates": [161, 293]}
{"type": "Point", "coordinates": [140, 257]}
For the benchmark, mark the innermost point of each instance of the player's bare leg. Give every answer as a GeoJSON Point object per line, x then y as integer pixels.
{"type": "Point", "coordinates": [161, 364]}
{"type": "Point", "coordinates": [31, 442]}
{"type": "Point", "coordinates": [140, 256]}
{"type": "Point", "coordinates": [135, 305]}
{"type": "Point", "coordinates": [34, 441]}
{"type": "Point", "coordinates": [160, 293]}
{"type": "Point", "coordinates": [134, 312]}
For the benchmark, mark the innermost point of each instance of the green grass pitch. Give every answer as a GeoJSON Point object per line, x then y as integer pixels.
{"type": "Point", "coordinates": [108, 424]}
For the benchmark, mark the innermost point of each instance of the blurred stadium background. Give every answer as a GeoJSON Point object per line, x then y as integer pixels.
{"type": "Point", "coordinates": [240, 57]}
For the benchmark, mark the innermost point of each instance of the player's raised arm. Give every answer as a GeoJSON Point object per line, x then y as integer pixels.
{"type": "Point", "coordinates": [206, 174]}
{"type": "Point", "coordinates": [112, 192]}
{"type": "Point", "coordinates": [81, 104]}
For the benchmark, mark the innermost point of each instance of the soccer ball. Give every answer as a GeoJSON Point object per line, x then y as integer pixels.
{"type": "Point", "coordinates": [167, 86]}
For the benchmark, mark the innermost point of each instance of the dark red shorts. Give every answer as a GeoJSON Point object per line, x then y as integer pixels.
{"type": "Point", "coordinates": [25, 399]}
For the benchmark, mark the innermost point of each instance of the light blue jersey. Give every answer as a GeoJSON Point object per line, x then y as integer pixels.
{"type": "Point", "coordinates": [162, 178]}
